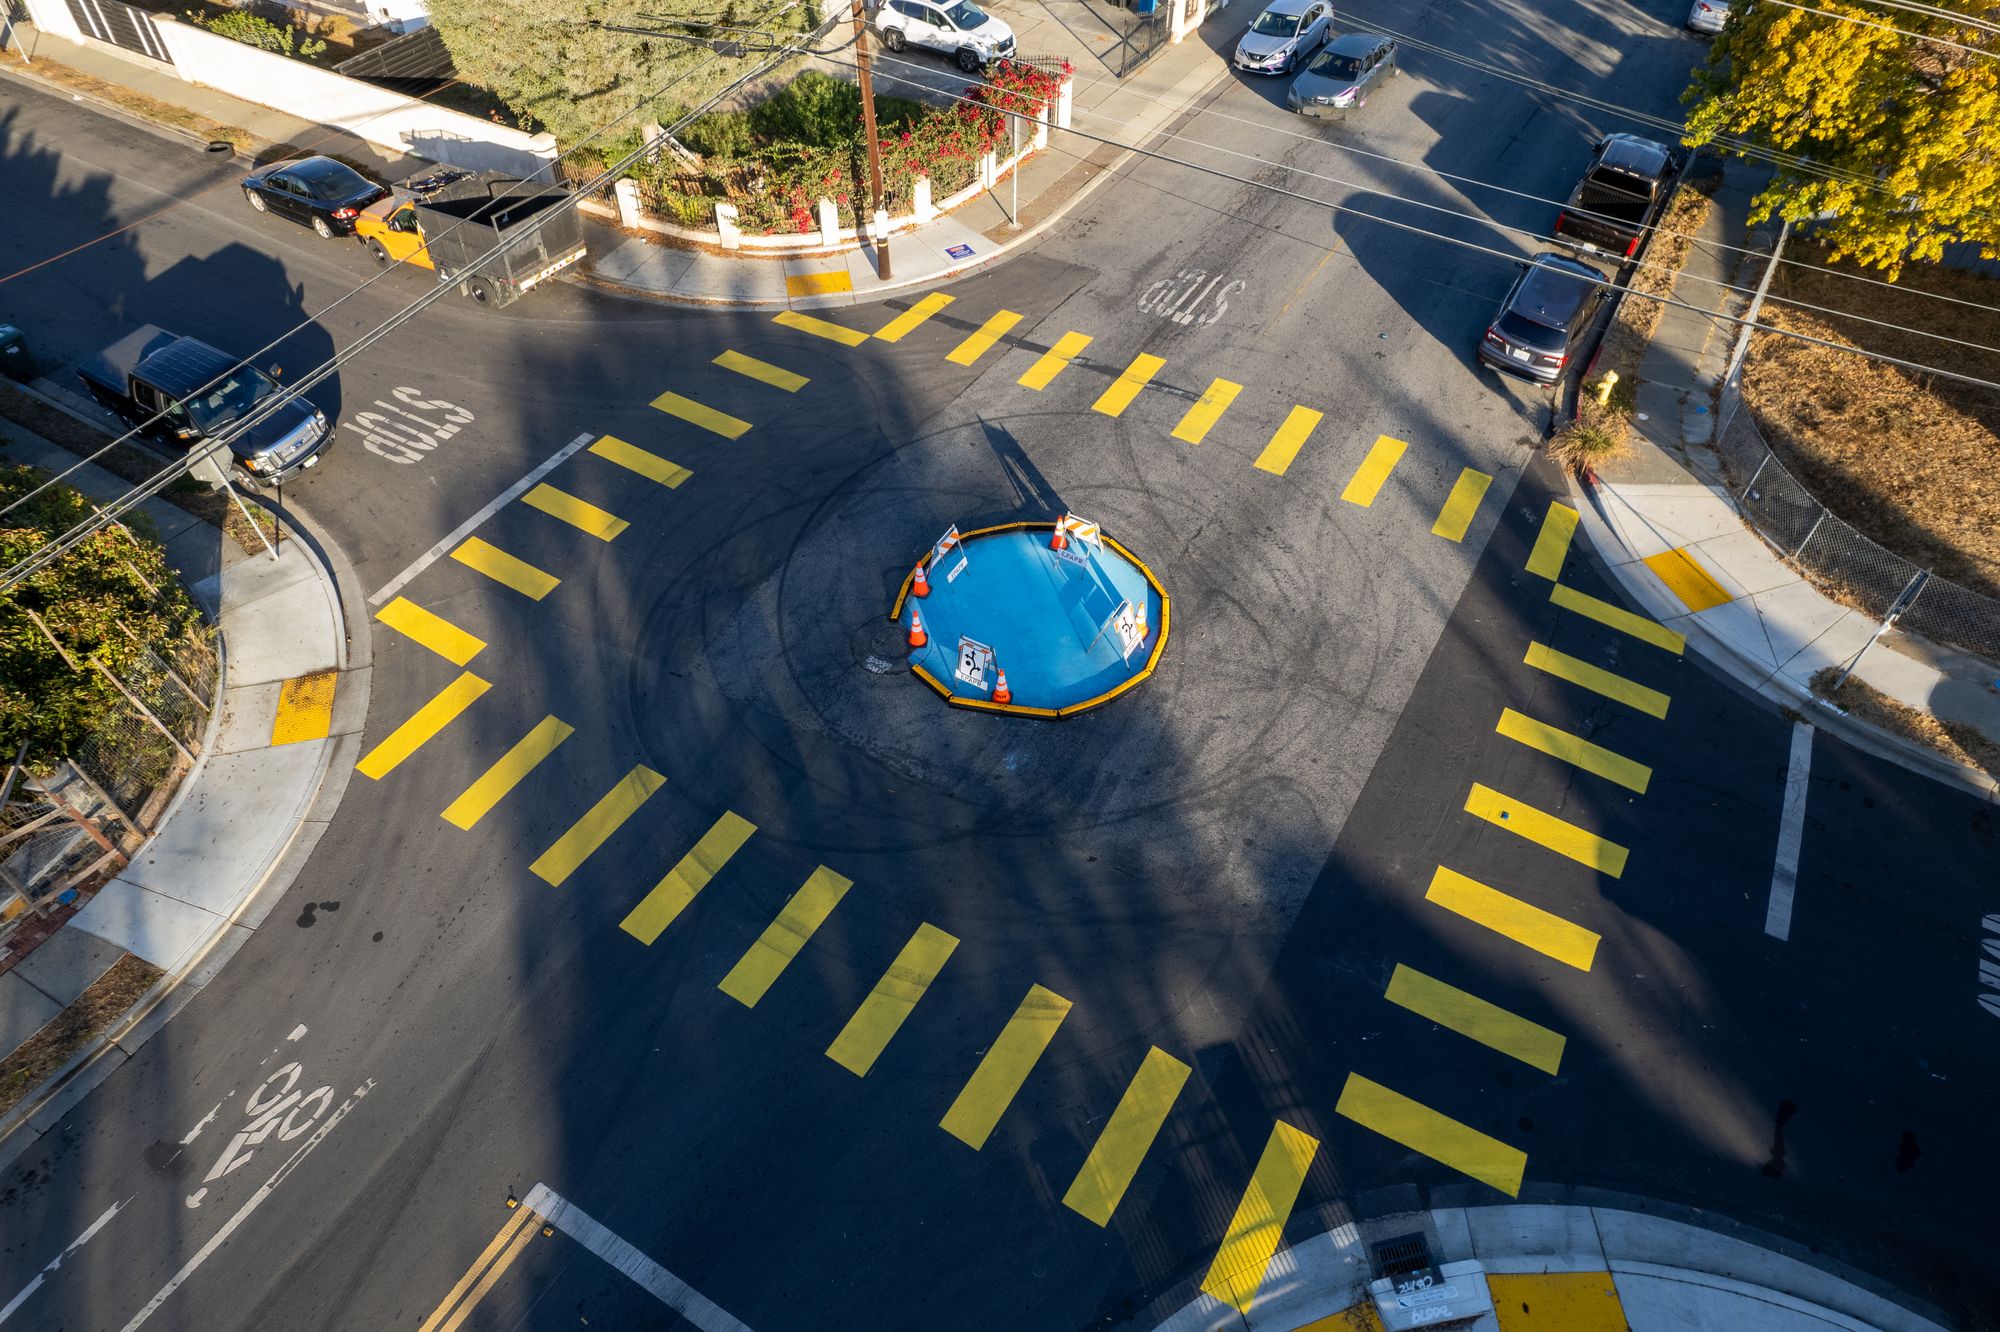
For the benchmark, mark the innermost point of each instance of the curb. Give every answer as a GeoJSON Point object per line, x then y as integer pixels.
{"type": "Point", "coordinates": [117, 112]}
{"type": "Point", "coordinates": [90, 1066]}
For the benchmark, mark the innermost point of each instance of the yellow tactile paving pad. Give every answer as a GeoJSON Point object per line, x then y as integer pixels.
{"type": "Point", "coordinates": [818, 284]}
{"type": "Point", "coordinates": [305, 708]}
{"type": "Point", "coordinates": [1694, 585]}
{"type": "Point", "coordinates": [1557, 1302]}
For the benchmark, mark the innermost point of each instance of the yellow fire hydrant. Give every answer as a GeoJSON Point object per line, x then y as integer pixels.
{"type": "Point", "coordinates": [1604, 387]}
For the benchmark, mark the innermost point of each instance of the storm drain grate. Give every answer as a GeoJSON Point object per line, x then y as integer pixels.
{"type": "Point", "coordinates": [1405, 1255]}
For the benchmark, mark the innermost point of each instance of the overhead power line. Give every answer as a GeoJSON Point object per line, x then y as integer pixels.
{"type": "Point", "coordinates": [1905, 32]}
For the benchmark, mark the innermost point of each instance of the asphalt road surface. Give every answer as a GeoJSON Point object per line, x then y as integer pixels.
{"type": "Point", "coordinates": [1255, 893]}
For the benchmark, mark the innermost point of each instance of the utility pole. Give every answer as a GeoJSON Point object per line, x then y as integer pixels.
{"type": "Point", "coordinates": [864, 63]}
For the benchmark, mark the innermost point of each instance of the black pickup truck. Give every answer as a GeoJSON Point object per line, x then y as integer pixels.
{"type": "Point", "coordinates": [1619, 197]}
{"type": "Point", "coordinates": [203, 393]}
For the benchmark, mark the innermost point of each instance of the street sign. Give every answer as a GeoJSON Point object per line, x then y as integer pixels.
{"type": "Point", "coordinates": [1128, 624]}
{"type": "Point", "coordinates": [974, 660]}
{"type": "Point", "coordinates": [1082, 533]}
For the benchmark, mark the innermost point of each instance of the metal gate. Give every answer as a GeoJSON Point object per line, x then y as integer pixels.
{"type": "Point", "coordinates": [120, 25]}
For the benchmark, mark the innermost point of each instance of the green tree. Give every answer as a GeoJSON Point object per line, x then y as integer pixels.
{"type": "Point", "coordinates": [545, 61]}
{"type": "Point", "coordinates": [1902, 132]}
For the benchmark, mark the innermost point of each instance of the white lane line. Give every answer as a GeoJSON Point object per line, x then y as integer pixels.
{"type": "Point", "coordinates": [57, 1261]}
{"type": "Point", "coordinates": [1791, 830]}
{"type": "Point", "coordinates": [221, 1236]}
{"type": "Point", "coordinates": [657, 1281]}
{"type": "Point", "coordinates": [464, 529]}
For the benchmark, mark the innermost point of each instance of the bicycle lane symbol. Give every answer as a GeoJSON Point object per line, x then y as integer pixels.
{"type": "Point", "coordinates": [277, 1108]}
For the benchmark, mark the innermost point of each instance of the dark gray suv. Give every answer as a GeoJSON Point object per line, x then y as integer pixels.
{"type": "Point", "coordinates": [1544, 317]}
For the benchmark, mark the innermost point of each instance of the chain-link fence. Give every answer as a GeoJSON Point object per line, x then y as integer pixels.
{"type": "Point", "coordinates": [1840, 561]}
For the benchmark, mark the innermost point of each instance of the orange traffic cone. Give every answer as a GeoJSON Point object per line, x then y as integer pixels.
{"type": "Point", "coordinates": [917, 635]}
{"type": "Point", "coordinates": [920, 583]}
{"type": "Point", "coordinates": [1001, 693]}
{"type": "Point", "coordinates": [1057, 540]}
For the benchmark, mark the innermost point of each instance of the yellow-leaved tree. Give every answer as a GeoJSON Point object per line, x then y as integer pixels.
{"type": "Point", "coordinates": [1888, 120]}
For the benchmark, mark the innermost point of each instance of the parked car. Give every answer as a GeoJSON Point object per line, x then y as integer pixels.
{"type": "Point", "coordinates": [1708, 15]}
{"type": "Point", "coordinates": [317, 192]}
{"type": "Point", "coordinates": [1339, 77]}
{"type": "Point", "coordinates": [1288, 31]}
{"type": "Point", "coordinates": [1622, 193]}
{"type": "Point", "coordinates": [961, 30]}
{"type": "Point", "coordinates": [1543, 318]}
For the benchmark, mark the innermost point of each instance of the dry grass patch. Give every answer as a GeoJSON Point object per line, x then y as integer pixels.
{"type": "Point", "coordinates": [1911, 460]}
{"type": "Point", "coordinates": [107, 1000]}
{"type": "Point", "coordinates": [1596, 437]}
{"type": "Point", "coordinates": [139, 104]}
{"type": "Point", "coordinates": [1962, 744]}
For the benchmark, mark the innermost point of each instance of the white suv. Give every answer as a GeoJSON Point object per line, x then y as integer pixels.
{"type": "Point", "coordinates": [958, 28]}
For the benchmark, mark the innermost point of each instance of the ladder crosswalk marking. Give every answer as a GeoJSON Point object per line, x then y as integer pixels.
{"type": "Point", "coordinates": [819, 328]}
{"type": "Point", "coordinates": [672, 894]}
{"type": "Point", "coordinates": [894, 997]}
{"type": "Point", "coordinates": [580, 514]}
{"type": "Point", "coordinates": [1201, 417]}
{"type": "Point", "coordinates": [1598, 680]}
{"type": "Point", "coordinates": [766, 960]}
{"type": "Point", "coordinates": [1456, 515]}
{"type": "Point", "coordinates": [990, 332]}
{"type": "Point", "coordinates": [1617, 617]}
{"type": "Point", "coordinates": [1114, 400]}
{"type": "Point", "coordinates": [478, 799]}
{"type": "Point", "coordinates": [1373, 474]}
{"type": "Point", "coordinates": [505, 569]}
{"type": "Point", "coordinates": [762, 371]}
{"type": "Point", "coordinates": [700, 414]}
{"type": "Point", "coordinates": [1470, 1016]}
{"type": "Point", "coordinates": [1055, 360]}
{"type": "Point", "coordinates": [1115, 1157]}
{"type": "Point", "coordinates": [1438, 1136]}
{"type": "Point", "coordinates": [905, 323]}
{"type": "Point", "coordinates": [426, 629]}
{"type": "Point", "coordinates": [422, 726]}
{"type": "Point", "coordinates": [1006, 1065]}
{"type": "Point", "coordinates": [1244, 1257]}
{"type": "Point", "coordinates": [1511, 918]}
{"type": "Point", "coordinates": [1286, 443]}
{"type": "Point", "coordinates": [1552, 542]}
{"type": "Point", "coordinates": [594, 829]}
{"type": "Point", "coordinates": [635, 459]}
{"type": "Point", "coordinates": [1575, 751]}
{"type": "Point", "coordinates": [1546, 830]}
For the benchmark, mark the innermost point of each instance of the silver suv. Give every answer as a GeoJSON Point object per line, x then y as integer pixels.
{"type": "Point", "coordinates": [961, 30]}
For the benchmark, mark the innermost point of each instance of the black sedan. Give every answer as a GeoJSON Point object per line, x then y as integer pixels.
{"type": "Point", "coordinates": [317, 192]}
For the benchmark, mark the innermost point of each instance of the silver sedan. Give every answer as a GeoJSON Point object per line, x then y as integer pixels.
{"type": "Point", "coordinates": [1341, 76]}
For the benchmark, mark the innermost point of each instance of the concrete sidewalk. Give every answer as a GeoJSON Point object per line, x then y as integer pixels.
{"type": "Point", "coordinates": [1547, 1268]}
{"type": "Point", "coordinates": [1674, 538]}
{"type": "Point", "coordinates": [276, 759]}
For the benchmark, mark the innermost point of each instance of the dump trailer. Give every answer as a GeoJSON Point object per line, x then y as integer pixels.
{"type": "Point", "coordinates": [455, 226]}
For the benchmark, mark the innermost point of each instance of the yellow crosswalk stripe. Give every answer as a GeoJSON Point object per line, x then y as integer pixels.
{"type": "Point", "coordinates": [1617, 617]}
{"type": "Point", "coordinates": [819, 328]}
{"type": "Point", "coordinates": [1243, 1259]}
{"type": "Point", "coordinates": [1456, 515]}
{"type": "Point", "coordinates": [990, 332]}
{"type": "Point", "coordinates": [580, 514]}
{"type": "Point", "coordinates": [1201, 417]}
{"type": "Point", "coordinates": [1508, 916]}
{"type": "Point", "coordinates": [1114, 1159]}
{"type": "Point", "coordinates": [1545, 829]}
{"type": "Point", "coordinates": [1686, 579]}
{"type": "Point", "coordinates": [1552, 542]}
{"type": "Point", "coordinates": [1373, 474]}
{"type": "Point", "coordinates": [868, 1032]}
{"type": "Point", "coordinates": [1291, 437]}
{"type": "Point", "coordinates": [1008, 1061]}
{"type": "Point", "coordinates": [1055, 360]}
{"type": "Point", "coordinates": [478, 799]}
{"type": "Point", "coordinates": [1575, 750]}
{"type": "Point", "coordinates": [423, 724]}
{"type": "Point", "coordinates": [1118, 397]}
{"type": "Point", "coordinates": [782, 939]}
{"type": "Point", "coordinates": [762, 371]}
{"type": "Point", "coordinates": [588, 833]}
{"type": "Point", "coordinates": [635, 459]}
{"type": "Point", "coordinates": [426, 629]}
{"type": "Point", "coordinates": [503, 568]}
{"type": "Point", "coordinates": [671, 895]}
{"type": "Point", "coordinates": [695, 413]}
{"type": "Point", "coordinates": [905, 323]}
{"type": "Point", "coordinates": [1422, 1129]}
{"type": "Point", "coordinates": [1598, 680]}
{"type": "Point", "coordinates": [1467, 1014]}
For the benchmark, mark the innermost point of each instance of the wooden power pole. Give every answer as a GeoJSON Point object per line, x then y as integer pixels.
{"type": "Point", "coordinates": [864, 64]}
